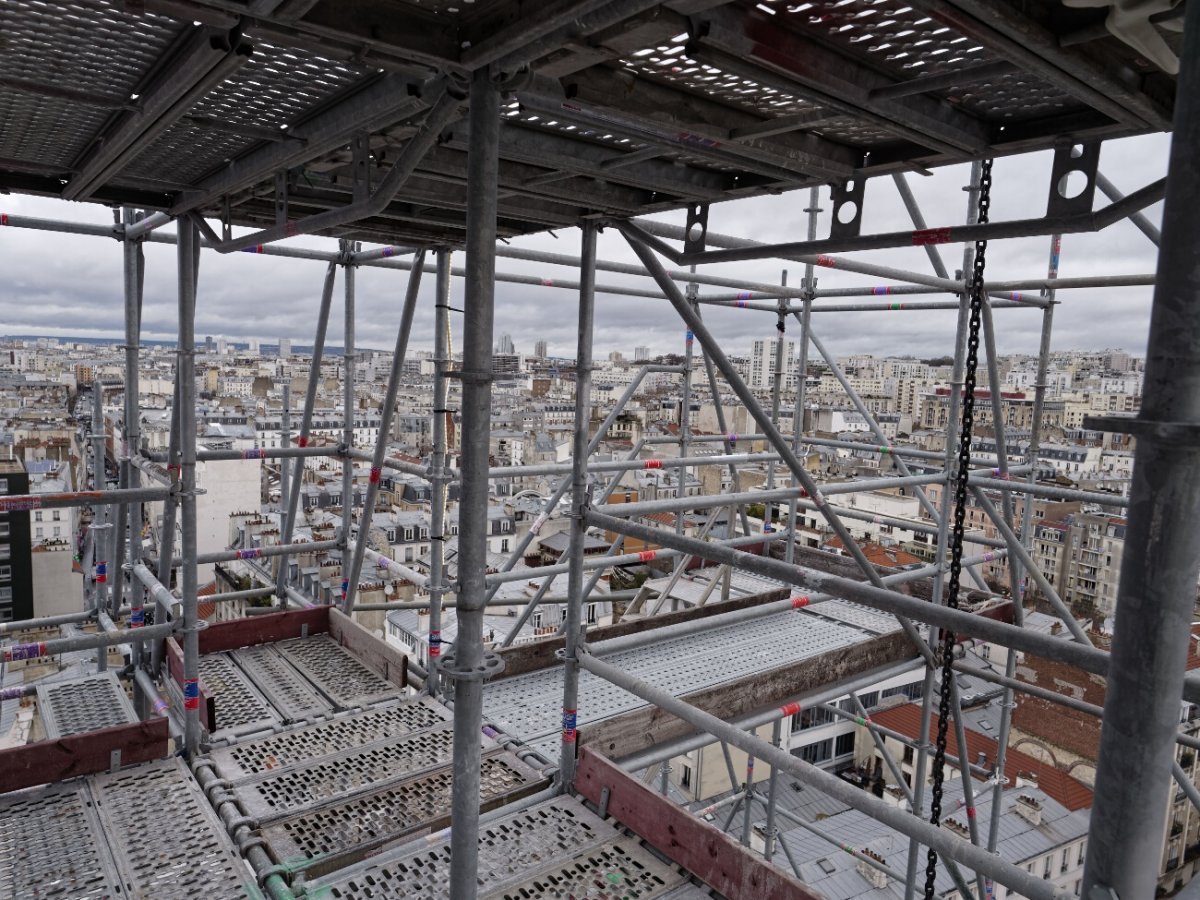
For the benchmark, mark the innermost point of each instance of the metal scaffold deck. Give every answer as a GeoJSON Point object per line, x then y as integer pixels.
{"type": "Point", "coordinates": [306, 766]}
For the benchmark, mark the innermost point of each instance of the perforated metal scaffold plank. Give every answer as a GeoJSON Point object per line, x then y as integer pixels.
{"type": "Point", "coordinates": [312, 783]}
{"type": "Point", "coordinates": [326, 738]}
{"type": "Point", "coordinates": [166, 837]}
{"type": "Point", "coordinates": [239, 707]}
{"type": "Point", "coordinates": [84, 704]}
{"type": "Point", "coordinates": [52, 845]}
{"type": "Point", "coordinates": [525, 706]}
{"type": "Point", "coordinates": [342, 833]}
{"type": "Point", "coordinates": [336, 672]}
{"type": "Point", "coordinates": [547, 850]}
{"type": "Point", "coordinates": [288, 690]}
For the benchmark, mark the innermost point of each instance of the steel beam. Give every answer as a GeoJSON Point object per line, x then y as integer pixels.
{"type": "Point", "coordinates": [1154, 607]}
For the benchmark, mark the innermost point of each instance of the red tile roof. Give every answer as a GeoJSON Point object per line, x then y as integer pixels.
{"type": "Point", "coordinates": [1070, 792]}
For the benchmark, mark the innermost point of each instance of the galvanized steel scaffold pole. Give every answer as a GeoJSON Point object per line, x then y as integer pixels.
{"type": "Point", "coordinates": [467, 658]}
{"type": "Point", "coordinates": [385, 428]}
{"type": "Point", "coordinates": [943, 541]}
{"type": "Point", "coordinates": [131, 475]}
{"type": "Point", "coordinates": [310, 402]}
{"type": "Point", "coordinates": [439, 464]}
{"type": "Point", "coordinates": [580, 498]}
{"type": "Point", "coordinates": [1007, 703]}
{"type": "Point", "coordinates": [187, 252]}
{"type": "Point", "coordinates": [810, 287]}
{"type": "Point", "coordinates": [347, 249]}
{"type": "Point", "coordinates": [1158, 571]}
{"type": "Point", "coordinates": [166, 535]}
{"type": "Point", "coordinates": [709, 344]}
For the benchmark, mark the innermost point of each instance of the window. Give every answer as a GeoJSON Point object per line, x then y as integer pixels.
{"type": "Point", "coordinates": [3, 485]}
{"type": "Point", "coordinates": [816, 753]}
{"type": "Point", "coordinates": [1082, 852]}
{"type": "Point", "coordinates": [58, 531]}
{"type": "Point", "coordinates": [685, 777]}
{"type": "Point", "coordinates": [591, 613]}
{"type": "Point", "coordinates": [536, 620]}
{"type": "Point", "coordinates": [6, 594]}
{"type": "Point", "coordinates": [844, 745]}
{"type": "Point", "coordinates": [1046, 866]}
{"type": "Point", "coordinates": [56, 515]}
{"type": "Point", "coordinates": [39, 532]}
{"type": "Point", "coordinates": [37, 516]}
{"type": "Point", "coordinates": [504, 545]}
{"type": "Point", "coordinates": [4, 529]}
{"type": "Point", "coordinates": [1066, 858]}
{"type": "Point", "coordinates": [6, 573]}
{"type": "Point", "coordinates": [562, 614]}
{"type": "Point", "coordinates": [908, 754]}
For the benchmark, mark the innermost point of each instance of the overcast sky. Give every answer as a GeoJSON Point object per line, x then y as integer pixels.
{"type": "Point", "coordinates": [69, 285]}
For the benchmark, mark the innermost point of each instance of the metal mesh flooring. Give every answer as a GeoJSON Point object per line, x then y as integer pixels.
{"type": "Point", "coordinates": [341, 833]}
{"type": "Point", "coordinates": [313, 782]}
{"type": "Point", "coordinates": [145, 833]}
{"type": "Point", "coordinates": [527, 706]}
{"type": "Point", "coordinates": [554, 849]}
{"type": "Point", "coordinates": [168, 839]}
{"type": "Point", "coordinates": [301, 679]}
{"type": "Point", "coordinates": [335, 671]}
{"type": "Point", "coordinates": [84, 704]}
{"type": "Point", "coordinates": [282, 685]}
{"type": "Point", "coordinates": [238, 705]}
{"type": "Point", "coordinates": [326, 738]}
{"type": "Point", "coordinates": [51, 845]}
{"type": "Point", "coordinates": [680, 108]}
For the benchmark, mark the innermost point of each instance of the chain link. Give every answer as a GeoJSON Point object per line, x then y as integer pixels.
{"type": "Point", "coordinates": [946, 649]}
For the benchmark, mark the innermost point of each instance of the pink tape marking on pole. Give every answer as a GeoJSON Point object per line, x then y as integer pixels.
{"type": "Point", "coordinates": [253, 553]}
{"type": "Point", "coordinates": [3, 218]}
{"type": "Point", "coordinates": [790, 709]}
{"type": "Point", "coordinates": [569, 720]}
{"type": "Point", "coordinates": [800, 602]}
{"type": "Point", "coordinates": [970, 812]}
{"type": "Point", "coordinates": [647, 555]}
{"type": "Point", "coordinates": [388, 251]}
{"type": "Point", "coordinates": [547, 282]}
{"type": "Point", "coordinates": [24, 651]}
{"type": "Point", "coordinates": [881, 291]}
{"type": "Point", "coordinates": [375, 473]}
{"type": "Point", "coordinates": [302, 441]}
{"type": "Point", "coordinates": [928, 236]}
{"type": "Point", "coordinates": [828, 262]}
{"type": "Point", "coordinates": [435, 644]}
{"type": "Point", "coordinates": [160, 706]}
{"type": "Point", "coordinates": [653, 464]}
{"type": "Point", "coordinates": [17, 504]}
{"type": "Point", "coordinates": [256, 453]}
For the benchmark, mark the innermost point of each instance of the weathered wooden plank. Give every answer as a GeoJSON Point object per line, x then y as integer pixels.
{"type": "Point", "coordinates": [719, 861]}
{"type": "Point", "coordinates": [266, 629]}
{"type": "Point", "coordinates": [649, 726]}
{"type": "Point", "coordinates": [82, 754]}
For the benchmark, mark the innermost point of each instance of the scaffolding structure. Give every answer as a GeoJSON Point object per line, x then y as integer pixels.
{"type": "Point", "coordinates": [433, 127]}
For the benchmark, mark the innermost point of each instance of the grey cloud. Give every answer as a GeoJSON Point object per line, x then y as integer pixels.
{"type": "Point", "coordinates": [61, 284]}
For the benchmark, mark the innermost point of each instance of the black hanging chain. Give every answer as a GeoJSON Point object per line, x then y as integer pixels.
{"type": "Point", "coordinates": [946, 648]}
